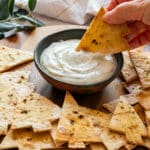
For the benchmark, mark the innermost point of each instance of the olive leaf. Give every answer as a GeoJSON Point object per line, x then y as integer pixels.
{"type": "Point", "coordinates": [14, 30]}
{"type": "Point", "coordinates": [6, 26]}
{"type": "Point", "coordinates": [31, 4]}
{"type": "Point", "coordinates": [4, 10]}
{"type": "Point", "coordinates": [11, 6]}
{"type": "Point", "coordinates": [33, 20]}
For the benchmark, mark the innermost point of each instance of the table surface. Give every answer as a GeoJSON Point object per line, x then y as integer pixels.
{"type": "Point", "coordinates": [28, 41]}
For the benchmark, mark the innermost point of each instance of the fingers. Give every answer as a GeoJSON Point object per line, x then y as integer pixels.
{"type": "Point", "coordinates": [146, 16]}
{"type": "Point", "coordinates": [136, 28]}
{"type": "Point", "coordinates": [127, 11]}
{"type": "Point", "coordinates": [134, 43]}
{"type": "Point", "coordinates": [141, 39]}
{"type": "Point", "coordinates": [114, 3]}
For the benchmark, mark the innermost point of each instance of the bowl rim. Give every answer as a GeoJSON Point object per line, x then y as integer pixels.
{"type": "Point", "coordinates": [39, 65]}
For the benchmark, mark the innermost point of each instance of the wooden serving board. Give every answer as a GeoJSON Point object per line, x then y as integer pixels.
{"type": "Point", "coordinates": [111, 92]}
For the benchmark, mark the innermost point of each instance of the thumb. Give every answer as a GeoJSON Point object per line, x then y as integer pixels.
{"type": "Point", "coordinates": [127, 11]}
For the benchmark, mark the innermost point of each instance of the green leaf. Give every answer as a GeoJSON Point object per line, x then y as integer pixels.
{"type": "Point", "coordinates": [10, 33]}
{"type": "Point", "coordinates": [33, 21]}
{"type": "Point", "coordinates": [6, 26]}
{"type": "Point", "coordinates": [31, 4]}
{"type": "Point", "coordinates": [15, 30]}
{"type": "Point", "coordinates": [4, 10]}
{"type": "Point", "coordinates": [11, 6]}
{"type": "Point", "coordinates": [25, 27]}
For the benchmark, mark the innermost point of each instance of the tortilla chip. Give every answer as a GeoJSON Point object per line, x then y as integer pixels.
{"type": "Point", "coordinates": [15, 76]}
{"type": "Point", "coordinates": [53, 134]}
{"type": "Point", "coordinates": [110, 106]}
{"type": "Point", "coordinates": [141, 61]}
{"type": "Point", "coordinates": [140, 111]}
{"type": "Point", "coordinates": [97, 146]}
{"type": "Point", "coordinates": [79, 124]}
{"type": "Point", "coordinates": [144, 99]}
{"type": "Point", "coordinates": [112, 140]}
{"type": "Point", "coordinates": [147, 113]}
{"type": "Point", "coordinates": [6, 112]}
{"type": "Point", "coordinates": [133, 87]}
{"type": "Point", "coordinates": [75, 125]}
{"type": "Point", "coordinates": [10, 57]}
{"type": "Point", "coordinates": [26, 139]}
{"type": "Point", "coordinates": [125, 120]}
{"type": "Point", "coordinates": [103, 37]}
{"type": "Point", "coordinates": [128, 71]}
{"type": "Point", "coordinates": [35, 111]}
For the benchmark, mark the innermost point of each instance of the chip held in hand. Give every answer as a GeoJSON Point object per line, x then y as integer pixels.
{"type": "Point", "coordinates": [103, 37]}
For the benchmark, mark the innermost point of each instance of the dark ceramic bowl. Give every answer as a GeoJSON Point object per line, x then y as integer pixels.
{"type": "Point", "coordinates": [80, 89]}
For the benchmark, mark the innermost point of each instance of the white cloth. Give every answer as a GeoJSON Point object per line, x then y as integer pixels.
{"type": "Point", "coordinates": [72, 11]}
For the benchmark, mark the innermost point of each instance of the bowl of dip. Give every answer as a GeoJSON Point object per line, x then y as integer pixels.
{"type": "Point", "coordinates": [76, 71]}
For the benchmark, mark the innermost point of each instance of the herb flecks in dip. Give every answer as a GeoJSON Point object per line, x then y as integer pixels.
{"type": "Point", "coordinates": [64, 63]}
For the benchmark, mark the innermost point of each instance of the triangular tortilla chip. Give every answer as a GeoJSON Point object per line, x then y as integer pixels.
{"type": "Point", "coordinates": [103, 37]}
{"type": "Point", "coordinates": [80, 124]}
{"type": "Point", "coordinates": [133, 87]}
{"type": "Point", "coordinates": [126, 121]}
{"type": "Point", "coordinates": [15, 76]}
{"type": "Point", "coordinates": [140, 111]}
{"type": "Point", "coordinates": [110, 106]}
{"type": "Point", "coordinates": [141, 61]}
{"type": "Point", "coordinates": [128, 71]}
{"type": "Point", "coordinates": [53, 134]}
{"type": "Point", "coordinates": [112, 140]}
{"type": "Point", "coordinates": [10, 57]}
{"type": "Point", "coordinates": [144, 99]}
{"type": "Point", "coordinates": [6, 112]}
{"type": "Point", "coordinates": [17, 80]}
{"type": "Point", "coordinates": [35, 111]}
{"type": "Point", "coordinates": [25, 139]}
{"type": "Point", "coordinates": [72, 119]}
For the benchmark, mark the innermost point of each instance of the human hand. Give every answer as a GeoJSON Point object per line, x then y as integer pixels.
{"type": "Point", "coordinates": [137, 15]}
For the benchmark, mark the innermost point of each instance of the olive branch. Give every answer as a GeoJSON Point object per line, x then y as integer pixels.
{"type": "Point", "coordinates": [14, 19]}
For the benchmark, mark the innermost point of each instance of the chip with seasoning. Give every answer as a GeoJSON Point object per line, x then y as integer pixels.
{"type": "Point", "coordinates": [133, 87]}
{"type": "Point", "coordinates": [35, 111]}
{"type": "Point", "coordinates": [126, 120]}
{"type": "Point", "coordinates": [110, 106]}
{"type": "Point", "coordinates": [79, 125]}
{"type": "Point", "coordinates": [141, 61]}
{"type": "Point", "coordinates": [26, 139]}
{"type": "Point", "coordinates": [144, 99]}
{"type": "Point", "coordinates": [103, 37]}
{"type": "Point", "coordinates": [10, 57]}
{"type": "Point", "coordinates": [128, 71]}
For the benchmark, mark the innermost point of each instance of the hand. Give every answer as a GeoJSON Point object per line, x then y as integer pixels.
{"type": "Point", "coordinates": [137, 15]}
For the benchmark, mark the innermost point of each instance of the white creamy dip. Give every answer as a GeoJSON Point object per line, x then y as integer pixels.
{"type": "Point", "coordinates": [64, 63]}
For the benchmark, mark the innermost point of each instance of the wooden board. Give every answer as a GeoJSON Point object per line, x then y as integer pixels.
{"type": "Point", "coordinates": [111, 92]}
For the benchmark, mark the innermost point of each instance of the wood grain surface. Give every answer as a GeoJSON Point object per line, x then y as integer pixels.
{"type": "Point", "coordinates": [28, 41]}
